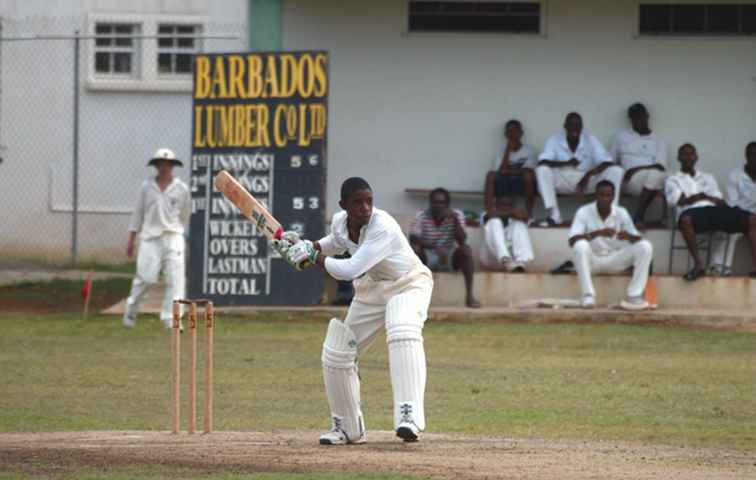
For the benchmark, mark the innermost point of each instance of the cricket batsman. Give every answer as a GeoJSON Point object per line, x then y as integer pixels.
{"type": "Point", "coordinates": [392, 288]}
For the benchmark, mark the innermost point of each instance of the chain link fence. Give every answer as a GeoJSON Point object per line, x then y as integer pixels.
{"type": "Point", "coordinates": [83, 106]}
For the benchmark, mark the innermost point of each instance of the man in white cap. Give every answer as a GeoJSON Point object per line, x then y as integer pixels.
{"type": "Point", "coordinates": [162, 210]}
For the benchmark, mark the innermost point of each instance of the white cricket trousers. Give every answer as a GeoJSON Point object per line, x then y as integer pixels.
{"type": "Point", "coordinates": [505, 247]}
{"type": "Point", "coordinates": [638, 254]}
{"type": "Point", "coordinates": [166, 254]}
{"type": "Point", "coordinates": [401, 307]}
{"type": "Point", "coordinates": [645, 180]}
{"type": "Point", "coordinates": [565, 179]}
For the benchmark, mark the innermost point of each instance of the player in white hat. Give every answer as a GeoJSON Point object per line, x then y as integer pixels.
{"type": "Point", "coordinates": [392, 290]}
{"type": "Point", "coordinates": [162, 210]}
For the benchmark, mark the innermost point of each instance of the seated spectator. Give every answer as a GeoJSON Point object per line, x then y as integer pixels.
{"type": "Point", "coordinates": [438, 237]}
{"type": "Point", "coordinates": [506, 243]}
{"type": "Point", "coordinates": [643, 156]}
{"type": "Point", "coordinates": [604, 239]}
{"type": "Point", "coordinates": [512, 172]}
{"type": "Point", "coordinates": [701, 208]}
{"type": "Point", "coordinates": [573, 162]}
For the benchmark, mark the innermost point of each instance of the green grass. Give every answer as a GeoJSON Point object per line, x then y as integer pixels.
{"type": "Point", "coordinates": [598, 382]}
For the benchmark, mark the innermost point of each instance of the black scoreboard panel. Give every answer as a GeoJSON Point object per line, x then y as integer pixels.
{"type": "Point", "coordinates": [230, 260]}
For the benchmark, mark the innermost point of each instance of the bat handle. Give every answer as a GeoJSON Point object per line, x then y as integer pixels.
{"type": "Point", "coordinates": [279, 233]}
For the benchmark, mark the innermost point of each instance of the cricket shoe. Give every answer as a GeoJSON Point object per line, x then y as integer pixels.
{"type": "Point", "coordinates": [588, 302]}
{"type": "Point", "coordinates": [634, 304]}
{"type": "Point", "coordinates": [128, 322]}
{"type": "Point", "coordinates": [337, 436]}
{"type": "Point", "coordinates": [407, 429]}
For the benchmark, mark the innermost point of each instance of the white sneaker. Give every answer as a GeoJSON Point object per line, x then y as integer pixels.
{"type": "Point", "coordinates": [128, 322]}
{"type": "Point", "coordinates": [634, 304]}
{"type": "Point", "coordinates": [588, 302]}
{"type": "Point", "coordinates": [407, 429]}
{"type": "Point", "coordinates": [337, 436]}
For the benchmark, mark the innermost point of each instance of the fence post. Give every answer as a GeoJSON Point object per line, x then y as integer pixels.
{"type": "Point", "coordinates": [75, 210]}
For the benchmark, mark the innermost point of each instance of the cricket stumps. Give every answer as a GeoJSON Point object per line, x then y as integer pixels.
{"type": "Point", "coordinates": [176, 365]}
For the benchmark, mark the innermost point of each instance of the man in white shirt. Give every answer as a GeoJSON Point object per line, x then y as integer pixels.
{"type": "Point", "coordinates": [643, 156]}
{"type": "Point", "coordinates": [701, 208]}
{"type": "Point", "coordinates": [740, 193]}
{"type": "Point", "coordinates": [512, 170]}
{"type": "Point", "coordinates": [392, 292]}
{"type": "Point", "coordinates": [162, 210]}
{"type": "Point", "coordinates": [573, 162]}
{"type": "Point", "coordinates": [506, 243]}
{"type": "Point", "coordinates": [604, 239]}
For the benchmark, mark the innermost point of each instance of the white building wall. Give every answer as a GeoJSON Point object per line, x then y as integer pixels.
{"type": "Point", "coordinates": [119, 129]}
{"type": "Point", "coordinates": [426, 110]}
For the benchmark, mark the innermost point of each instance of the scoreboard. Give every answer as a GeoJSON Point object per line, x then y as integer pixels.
{"type": "Point", "coordinates": [263, 118]}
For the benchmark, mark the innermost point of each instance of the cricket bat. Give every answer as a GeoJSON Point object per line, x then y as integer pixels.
{"type": "Point", "coordinates": [248, 205]}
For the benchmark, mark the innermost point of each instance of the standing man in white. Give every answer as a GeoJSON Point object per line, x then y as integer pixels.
{"type": "Point", "coordinates": [605, 240]}
{"type": "Point", "coordinates": [392, 291]}
{"type": "Point", "coordinates": [573, 162]}
{"type": "Point", "coordinates": [162, 210]}
{"type": "Point", "coordinates": [643, 155]}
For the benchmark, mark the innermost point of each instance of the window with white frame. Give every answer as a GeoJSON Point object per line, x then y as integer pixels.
{"type": "Point", "coordinates": [177, 43]}
{"type": "Point", "coordinates": [116, 50]}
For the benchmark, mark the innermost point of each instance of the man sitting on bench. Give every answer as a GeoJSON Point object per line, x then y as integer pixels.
{"type": "Point", "coordinates": [438, 237]}
{"type": "Point", "coordinates": [573, 162]}
{"type": "Point", "coordinates": [701, 209]}
{"type": "Point", "coordinates": [512, 172]}
{"type": "Point", "coordinates": [643, 155]}
{"type": "Point", "coordinates": [506, 243]}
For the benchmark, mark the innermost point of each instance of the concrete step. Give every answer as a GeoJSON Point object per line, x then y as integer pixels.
{"type": "Point", "coordinates": [498, 289]}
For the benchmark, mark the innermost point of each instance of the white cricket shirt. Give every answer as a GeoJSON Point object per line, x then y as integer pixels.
{"type": "Point", "coordinates": [631, 149]}
{"type": "Point", "coordinates": [681, 183]}
{"type": "Point", "coordinates": [587, 220]}
{"type": "Point", "coordinates": [590, 153]}
{"type": "Point", "coordinates": [382, 251]}
{"type": "Point", "coordinates": [741, 191]}
{"type": "Point", "coordinates": [525, 157]}
{"type": "Point", "coordinates": [159, 212]}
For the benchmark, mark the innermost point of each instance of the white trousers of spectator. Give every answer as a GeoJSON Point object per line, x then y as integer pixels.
{"type": "Point", "coordinates": [401, 307]}
{"type": "Point", "coordinates": [565, 179]}
{"type": "Point", "coordinates": [638, 254]}
{"type": "Point", "coordinates": [645, 180]}
{"type": "Point", "coordinates": [505, 247]}
{"type": "Point", "coordinates": [164, 253]}
{"type": "Point", "coordinates": [723, 244]}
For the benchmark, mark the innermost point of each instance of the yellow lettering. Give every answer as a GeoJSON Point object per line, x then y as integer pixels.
{"type": "Point", "coordinates": [288, 75]}
{"type": "Point", "coordinates": [201, 77]}
{"type": "Point", "coordinates": [306, 79]}
{"type": "Point", "coordinates": [237, 88]}
{"type": "Point", "coordinates": [254, 76]}
{"type": "Point", "coordinates": [219, 89]}
{"type": "Point", "coordinates": [279, 128]}
{"type": "Point", "coordinates": [321, 78]}
{"type": "Point", "coordinates": [271, 79]}
{"type": "Point", "coordinates": [199, 140]}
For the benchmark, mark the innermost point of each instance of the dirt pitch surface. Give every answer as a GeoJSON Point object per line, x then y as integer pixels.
{"type": "Point", "coordinates": [435, 455]}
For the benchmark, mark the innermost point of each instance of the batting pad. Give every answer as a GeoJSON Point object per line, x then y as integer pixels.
{"type": "Point", "coordinates": [342, 384]}
{"type": "Point", "coordinates": [405, 315]}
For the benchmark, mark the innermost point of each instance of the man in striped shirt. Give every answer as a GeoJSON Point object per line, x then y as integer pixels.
{"type": "Point", "coordinates": [438, 237]}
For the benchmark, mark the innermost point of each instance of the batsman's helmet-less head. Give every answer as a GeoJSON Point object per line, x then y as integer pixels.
{"type": "Point", "coordinates": [165, 154]}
